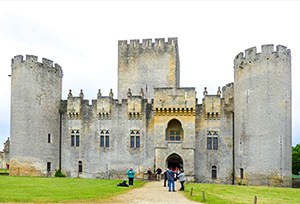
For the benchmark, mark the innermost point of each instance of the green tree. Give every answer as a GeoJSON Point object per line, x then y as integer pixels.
{"type": "Point", "coordinates": [296, 159]}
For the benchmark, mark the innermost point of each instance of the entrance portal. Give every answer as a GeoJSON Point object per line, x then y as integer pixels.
{"type": "Point", "coordinates": [174, 160]}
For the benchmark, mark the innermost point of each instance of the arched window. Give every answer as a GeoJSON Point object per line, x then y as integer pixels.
{"type": "Point", "coordinates": [135, 139]}
{"type": "Point", "coordinates": [75, 138]}
{"type": "Point", "coordinates": [212, 140]}
{"type": "Point", "coordinates": [214, 172]}
{"type": "Point", "coordinates": [104, 138]}
{"type": "Point", "coordinates": [174, 131]}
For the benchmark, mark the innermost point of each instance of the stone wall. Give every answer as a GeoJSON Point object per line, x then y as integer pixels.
{"type": "Point", "coordinates": [35, 105]}
{"type": "Point", "coordinates": [147, 65]}
{"type": "Point", "coordinates": [175, 104]}
{"type": "Point", "coordinates": [214, 142]}
{"type": "Point", "coordinates": [242, 133]}
{"type": "Point", "coordinates": [262, 106]}
{"type": "Point", "coordinates": [100, 161]}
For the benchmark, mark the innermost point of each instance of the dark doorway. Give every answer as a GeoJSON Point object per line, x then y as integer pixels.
{"type": "Point", "coordinates": [174, 160]}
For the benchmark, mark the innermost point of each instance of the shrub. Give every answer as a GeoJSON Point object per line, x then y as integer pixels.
{"type": "Point", "coordinates": [58, 173]}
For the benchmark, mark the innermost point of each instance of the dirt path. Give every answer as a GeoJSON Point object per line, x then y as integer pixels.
{"type": "Point", "coordinates": [151, 192]}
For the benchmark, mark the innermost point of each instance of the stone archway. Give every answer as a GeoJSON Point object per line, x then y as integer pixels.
{"type": "Point", "coordinates": [174, 131]}
{"type": "Point", "coordinates": [174, 160]}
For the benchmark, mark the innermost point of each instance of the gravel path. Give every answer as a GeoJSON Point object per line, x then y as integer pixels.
{"type": "Point", "coordinates": [152, 192]}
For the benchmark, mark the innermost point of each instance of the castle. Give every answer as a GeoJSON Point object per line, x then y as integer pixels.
{"type": "Point", "coordinates": [241, 134]}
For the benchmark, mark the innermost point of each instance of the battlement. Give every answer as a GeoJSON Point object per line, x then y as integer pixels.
{"type": "Point", "coordinates": [18, 59]}
{"type": "Point", "coordinates": [228, 95]}
{"type": "Point", "coordinates": [136, 46]}
{"type": "Point", "coordinates": [267, 51]}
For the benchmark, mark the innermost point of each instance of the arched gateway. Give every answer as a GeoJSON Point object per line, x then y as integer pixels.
{"type": "Point", "coordinates": [174, 161]}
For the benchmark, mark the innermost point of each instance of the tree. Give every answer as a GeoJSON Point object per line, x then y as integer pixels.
{"type": "Point", "coordinates": [296, 159]}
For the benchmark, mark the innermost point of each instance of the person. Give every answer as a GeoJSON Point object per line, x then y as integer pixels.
{"type": "Point", "coordinates": [158, 173]}
{"type": "Point", "coordinates": [181, 177]}
{"type": "Point", "coordinates": [176, 172]}
{"type": "Point", "coordinates": [123, 184]}
{"type": "Point", "coordinates": [171, 177]}
{"type": "Point", "coordinates": [149, 172]}
{"type": "Point", "coordinates": [165, 177]}
{"type": "Point", "coordinates": [130, 173]}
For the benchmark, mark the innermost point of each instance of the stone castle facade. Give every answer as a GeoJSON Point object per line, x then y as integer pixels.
{"type": "Point", "coordinates": [239, 134]}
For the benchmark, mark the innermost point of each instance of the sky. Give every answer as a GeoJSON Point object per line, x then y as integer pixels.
{"type": "Point", "coordinates": [82, 37]}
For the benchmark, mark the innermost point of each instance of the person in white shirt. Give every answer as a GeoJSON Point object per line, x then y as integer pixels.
{"type": "Point", "coordinates": [181, 177]}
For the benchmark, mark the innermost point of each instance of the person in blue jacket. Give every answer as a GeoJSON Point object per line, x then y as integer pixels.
{"type": "Point", "coordinates": [171, 179]}
{"type": "Point", "coordinates": [130, 173]}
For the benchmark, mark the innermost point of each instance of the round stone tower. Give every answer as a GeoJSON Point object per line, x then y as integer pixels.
{"type": "Point", "coordinates": [262, 116]}
{"type": "Point", "coordinates": [36, 90]}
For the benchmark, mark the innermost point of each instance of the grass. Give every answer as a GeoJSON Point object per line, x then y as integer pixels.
{"type": "Point", "coordinates": [34, 189]}
{"type": "Point", "coordinates": [4, 170]}
{"type": "Point", "coordinates": [228, 194]}
{"type": "Point", "coordinates": [295, 176]}
{"type": "Point", "coordinates": [54, 190]}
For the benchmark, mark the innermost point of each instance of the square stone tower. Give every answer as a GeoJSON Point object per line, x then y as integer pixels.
{"type": "Point", "coordinates": [147, 66]}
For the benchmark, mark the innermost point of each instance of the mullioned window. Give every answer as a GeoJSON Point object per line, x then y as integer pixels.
{"type": "Point", "coordinates": [75, 138]}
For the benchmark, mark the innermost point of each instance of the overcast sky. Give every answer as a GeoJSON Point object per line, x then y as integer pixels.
{"type": "Point", "coordinates": [82, 37]}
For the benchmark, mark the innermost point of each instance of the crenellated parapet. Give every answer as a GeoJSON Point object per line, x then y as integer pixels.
{"type": "Point", "coordinates": [267, 54]}
{"type": "Point", "coordinates": [6, 146]}
{"type": "Point", "coordinates": [32, 60]}
{"type": "Point", "coordinates": [212, 105]}
{"type": "Point", "coordinates": [104, 107]}
{"type": "Point", "coordinates": [174, 101]}
{"type": "Point", "coordinates": [228, 96]}
{"type": "Point", "coordinates": [134, 107]}
{"type": "Point", "coordinates": [74, 106]}
{"type": "Point", "coordinates": [135, 47]}
{"type": "Point", "coordinates": [262, 109]}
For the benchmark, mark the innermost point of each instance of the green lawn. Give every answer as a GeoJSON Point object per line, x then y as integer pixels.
{"type": "Point", "coordinates": [4, 170]}
{"type": "Point", "coordinates": [228, 194]}
{"type": "Point", "coordinates": [295, 176]}
{"type": "Point", "coordinates": [34, 189]}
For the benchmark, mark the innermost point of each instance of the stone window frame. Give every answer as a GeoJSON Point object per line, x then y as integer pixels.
{"type": "Point", "coordinates": [174, 134]}
{"type": "Point", "coordinates": [104, 138]}
{"type": "Point", "coordinates": [241, 173]}
{"type": "Point", "coordinates": [214, 172]}
{"type": "Point", "coordinates": [80, 167]}
{"type": "Point", "coordinates": [49, 138]}
{"type": "Point", "coordinates": [135, 139]}
{"type": "Point", "coordinates": [48, 166]}
{"type": "Point", "coordinates": [75, 138]}
{"type": "Point", "coordinates": [212, 140]}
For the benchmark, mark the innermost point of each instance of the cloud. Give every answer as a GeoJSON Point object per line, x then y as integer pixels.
{"type": "Point", "coordinates": [23, 30]}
